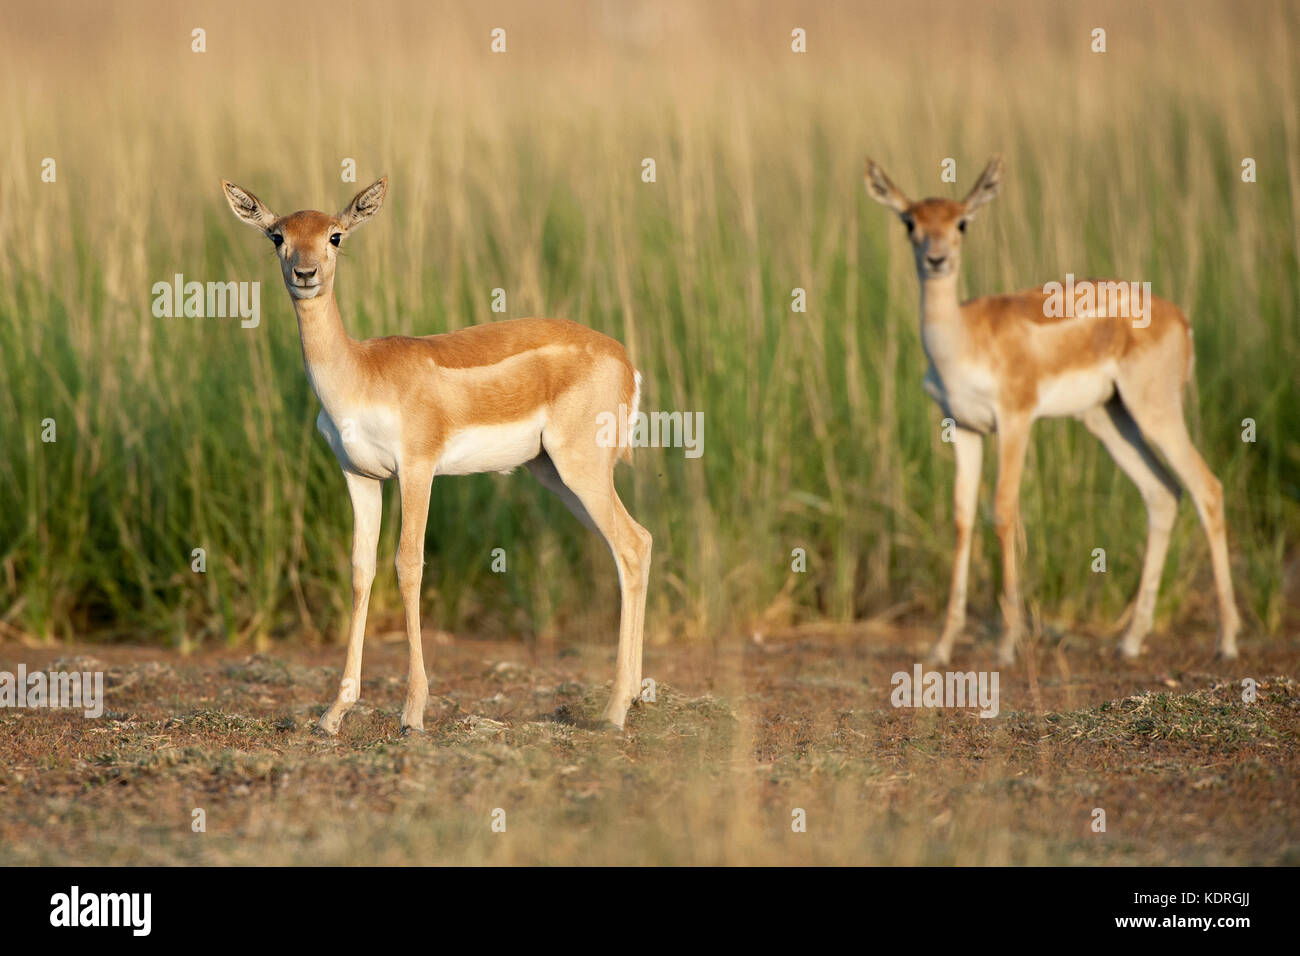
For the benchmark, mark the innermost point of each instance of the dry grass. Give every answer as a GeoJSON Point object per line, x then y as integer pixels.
{"type": "Point", "coordinates": [709, 773]}
{"type": "Point", "coordinates": [522, 172]}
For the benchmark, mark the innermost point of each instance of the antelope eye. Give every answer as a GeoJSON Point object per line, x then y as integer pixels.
{"type": "Point", "coordinates": [336, 238]}
{"type": "Point", "coordinates": [962, 225]}
{"type": "Point", "coordinates": [909, 223]}
{"type": "Point", "coordinates": [277, 239]}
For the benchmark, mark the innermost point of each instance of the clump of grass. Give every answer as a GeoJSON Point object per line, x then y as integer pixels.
{"type": "Point", "coordinates": [1214, 717]}
{"type": "Point", "coordinates": [217, 723]}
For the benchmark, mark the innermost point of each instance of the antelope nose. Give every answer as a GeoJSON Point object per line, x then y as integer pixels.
{"type": "Point", "coordinates": [936, 261]}
{"type": "Point", "coordinates": [303, 273]}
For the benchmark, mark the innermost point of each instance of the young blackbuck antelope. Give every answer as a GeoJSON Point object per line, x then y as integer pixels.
{"type": "Point", "coordinates": [999, 362]}
{"type": "Point", "coordinates": [486, 398]}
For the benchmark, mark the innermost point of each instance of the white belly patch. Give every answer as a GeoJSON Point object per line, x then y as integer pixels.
{"type": "Point", "coordinates": [480, 448]}
{"type": "Point", "coordinates": [1074, 392]}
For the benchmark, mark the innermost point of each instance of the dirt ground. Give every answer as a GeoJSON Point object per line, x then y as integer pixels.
{"type": "Point", "coordinates": [739, 740]}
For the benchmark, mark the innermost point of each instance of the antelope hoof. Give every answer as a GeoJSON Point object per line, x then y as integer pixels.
{"type": "Point", "coordinates": [1127, 651]}
{"type": "Point", "coordinates": [613, 719]}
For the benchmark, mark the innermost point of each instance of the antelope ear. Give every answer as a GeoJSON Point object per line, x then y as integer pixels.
{"type": "Point", "coordinates": [247, 206]}
{"type": "Point", "coordinates": [883, 191]}
{"type": "Point", "coordinates": [365, 204]}
{"type": "Point", "coordinates": [986, 187]}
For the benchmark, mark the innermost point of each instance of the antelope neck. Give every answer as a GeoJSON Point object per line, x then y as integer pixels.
{"type": "Point", "coordinates": [326, 345]}
{"type": "Point", "coordinates": [320, 327]}
{"type": "Point", "coordinates": [941, 329]}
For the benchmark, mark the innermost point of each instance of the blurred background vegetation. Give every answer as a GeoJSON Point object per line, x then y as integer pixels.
{"type": "Point", "coordinates": [523, 171]}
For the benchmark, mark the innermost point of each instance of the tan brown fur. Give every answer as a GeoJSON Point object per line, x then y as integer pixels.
{"type": "Point", "coordinates": [995, 324]}
{"type": "Point", "coordinates": [511, 369]}
{"type": "Point", "coordinates": [999, 362]}
{"type": "Point", "coordinates": [490, 397]}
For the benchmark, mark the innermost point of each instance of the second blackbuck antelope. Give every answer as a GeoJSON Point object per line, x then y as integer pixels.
{"type": "Point", "coordinates": [486, 398]}
{"type": "Point", "coordinates": [999, 362]}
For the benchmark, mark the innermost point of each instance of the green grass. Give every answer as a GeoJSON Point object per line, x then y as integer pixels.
{"type": "Point", "coordinates": [524, 173]}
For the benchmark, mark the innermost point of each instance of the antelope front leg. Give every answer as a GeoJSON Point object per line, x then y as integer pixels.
{"type": "Point", "coordinates": [415, 485]}
{"type": "Point", "coordinates": [969, 447]}
{"type": "Point", "coordinates": [1013, 439]}
{"type": "Point", "coordinates": [367, 508]}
